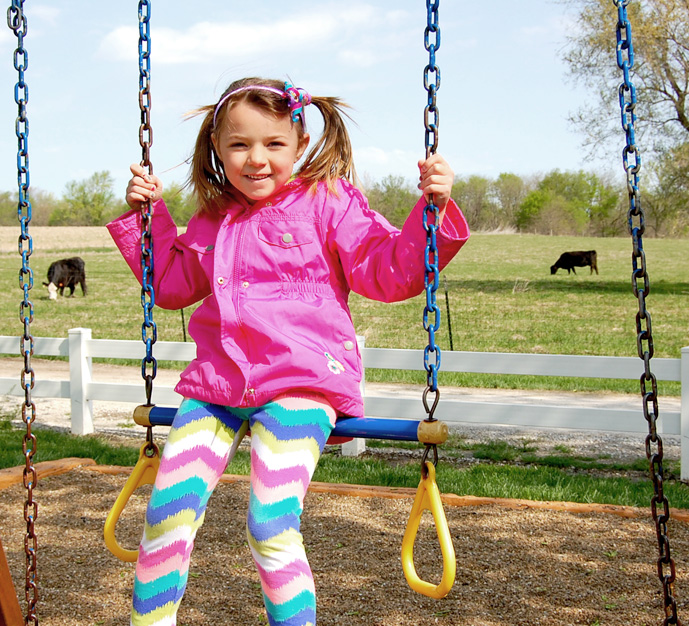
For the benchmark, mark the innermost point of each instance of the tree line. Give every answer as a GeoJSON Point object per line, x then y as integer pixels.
{"type": "Point", "coordinates": [558, 203]}
{"type": "Point", "coordinates": [89, 202]}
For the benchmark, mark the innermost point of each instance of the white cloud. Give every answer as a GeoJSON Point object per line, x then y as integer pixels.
{"type": "Point", "coordinates": [206, 40]}
{"type": "Point", "coordinates": [398, 15]}
{"type": "Point", "coordinates": [45, 13]}
{"type": "Point", "coordinates": [120, 44]}
{"type": "Point", "coordinates": [346, 29]}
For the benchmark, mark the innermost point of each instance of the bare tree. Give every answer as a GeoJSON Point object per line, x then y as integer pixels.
{"type": "Point", "coordinates": [660, 36]}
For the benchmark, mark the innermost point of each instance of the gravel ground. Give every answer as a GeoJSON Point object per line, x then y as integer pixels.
{"type": "Point", "coordinates": [514, 567]}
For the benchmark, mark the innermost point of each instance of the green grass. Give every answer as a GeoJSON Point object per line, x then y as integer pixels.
{"type": "Point", "coordinates": [560, 478]}
{"type": "Point", "coordinates": [537, 481]}
{"type": "Point", "coordinates": [501, 294]}
{"type": "Point", "coordinates": [53, 445]}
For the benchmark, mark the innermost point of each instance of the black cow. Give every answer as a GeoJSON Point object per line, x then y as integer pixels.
{"type": "Point", "coordinates": [578, 258]}
{"type": "Point", "coordinates": [66, 273]}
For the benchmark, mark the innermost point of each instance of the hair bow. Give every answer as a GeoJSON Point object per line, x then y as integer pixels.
{"type": "Point", "coordinates": [297, 99]}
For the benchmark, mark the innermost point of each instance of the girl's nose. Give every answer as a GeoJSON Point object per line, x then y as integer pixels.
{"type": "Point", "coordinates": [257, 155]}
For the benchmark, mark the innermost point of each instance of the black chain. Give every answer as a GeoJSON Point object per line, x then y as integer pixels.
{"type": "Point", "coordinates": [149, 331]}
{"type": "Point", "coordinates": [431, 82]}
{"type": "Point", "coordinates": [16, 20]}
{"type": "Point", "coordinates": [641, 286]}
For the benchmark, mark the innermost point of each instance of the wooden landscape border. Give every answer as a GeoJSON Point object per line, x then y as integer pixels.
{"type": "Point", "coordinates": [14, 475]}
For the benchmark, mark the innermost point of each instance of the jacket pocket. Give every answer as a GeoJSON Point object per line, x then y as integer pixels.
{"type": "Point", "coordinates": [286, 234]}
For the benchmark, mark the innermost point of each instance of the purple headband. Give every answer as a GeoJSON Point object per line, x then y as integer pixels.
{"type": "Point", "coordinates": [296, 98]}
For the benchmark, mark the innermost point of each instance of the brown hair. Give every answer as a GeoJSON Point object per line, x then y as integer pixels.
{"type": "Point", "coordinates": [328, 160]}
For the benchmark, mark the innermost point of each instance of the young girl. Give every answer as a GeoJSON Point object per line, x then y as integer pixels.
{"type": "Point", "coordinates": [273, 257]}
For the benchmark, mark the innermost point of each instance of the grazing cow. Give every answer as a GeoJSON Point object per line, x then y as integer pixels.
{"type": "Point", "coordinates": [66, 273]}
{"type": "Point", "coordinates": [579, 258]}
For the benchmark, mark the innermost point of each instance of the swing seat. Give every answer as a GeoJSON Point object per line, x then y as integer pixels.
{"type": "Point", "coordinates": [346, 428]}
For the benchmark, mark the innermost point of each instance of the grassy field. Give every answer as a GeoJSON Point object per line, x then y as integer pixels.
{"type": "Point", "coordinates": [502, 298]}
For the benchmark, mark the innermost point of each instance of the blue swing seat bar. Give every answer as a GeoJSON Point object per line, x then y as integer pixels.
{"type": "Point", "coordinates": [354, 427]}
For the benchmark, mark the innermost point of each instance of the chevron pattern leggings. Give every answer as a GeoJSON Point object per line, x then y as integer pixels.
{"type": "Point", "coordinates": [287, 439]}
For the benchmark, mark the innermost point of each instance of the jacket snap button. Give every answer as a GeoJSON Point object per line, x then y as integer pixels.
{"type": "Point", "coordinates": [221, 280]}
{"type": "Point", "coordinates": [348, 345]}
{"type": "Point", "coordinates": [245, 284]}
{"type": "Point", "coordinates": [287, 238]}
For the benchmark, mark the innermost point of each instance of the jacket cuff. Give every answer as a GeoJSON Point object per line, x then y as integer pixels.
{"type": "Point", "coordinates": [454, 226]}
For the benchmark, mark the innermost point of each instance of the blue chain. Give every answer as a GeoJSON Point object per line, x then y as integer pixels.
{"type": "Point", "coordinates": [636, 222]}
{"type": "Point", "coordinates": [149, 331]}
{"type": "Point", "coordinates": [16, 20]}
{"type": "Point", "coordinates": [431, 82]}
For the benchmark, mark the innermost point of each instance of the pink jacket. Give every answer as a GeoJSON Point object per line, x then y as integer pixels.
{"type": "Point", "coordinates": [275, 278]}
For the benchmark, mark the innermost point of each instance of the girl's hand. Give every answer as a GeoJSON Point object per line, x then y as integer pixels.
{"type": "Point", "coordinates": [436, 179]}
{"type": "Point", "coordinates": [142, 187]}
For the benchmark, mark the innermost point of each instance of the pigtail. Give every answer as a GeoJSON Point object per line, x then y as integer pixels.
{"type": "Point", "coordinates": [331, 157]}
{"type": "Point", "coordinates": [206, 175]}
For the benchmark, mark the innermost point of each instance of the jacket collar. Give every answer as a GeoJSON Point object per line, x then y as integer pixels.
{"type": "Point", "coordinates": [236, 198]}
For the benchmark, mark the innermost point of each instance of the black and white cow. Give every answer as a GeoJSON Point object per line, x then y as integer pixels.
{"type": "Point", "coordinates": [66, 273]}
{"type": "Point", "coordinates": [578, 258]}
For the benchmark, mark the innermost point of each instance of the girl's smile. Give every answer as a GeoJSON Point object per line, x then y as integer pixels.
{"type": "Point", "coordinates": [258, 150]}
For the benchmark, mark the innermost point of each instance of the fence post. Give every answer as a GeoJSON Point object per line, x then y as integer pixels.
{"type": "Point", "coordinates": [357, 446]}
{"type": "Point", "coordinates": [684, 414]}
{"type": "Point", "coordinates": [80, 376]}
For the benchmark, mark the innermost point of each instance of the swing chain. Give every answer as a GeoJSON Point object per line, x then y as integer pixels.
{"type": "Point", "coordinates": [151, 448]}
{"type": "Point", "coordinates": [149, 331]}
{"type": "Point", "coordinates": [429, 448]}
{"type": "Point", "coordinates": [431, 118]}
{"type": "Point", "coordinates": [430, 215]}
{"type": "Point", "coordinates": [16, 20]}
{"type": "Point", "coordinates": [431, 43]}
{"type": "Point", "coordinates": [636, 224]}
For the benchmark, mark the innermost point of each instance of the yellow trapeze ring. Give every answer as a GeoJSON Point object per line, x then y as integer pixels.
{"type": "Point", "coordinates": [144, 473]}
{"type": "Point", "coordinates": [428, 498]}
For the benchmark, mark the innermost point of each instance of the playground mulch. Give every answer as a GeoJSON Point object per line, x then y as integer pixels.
{"type": "Point", "coordinates": [516, 564]}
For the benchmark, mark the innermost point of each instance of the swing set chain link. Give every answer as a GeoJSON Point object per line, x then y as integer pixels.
{"type": "Point", "coordinates": [431, 118]}
{"type": "Point", "coordinates": [431, 82]}
{"type": "Point", "coordinates": [431, 76]}
{"type": "Point", "coordinates": [16, 20]}
{"type": "Point", "coordinates": [149, 331]}
{"type": "Point", "coordinates": [641, 287]}
{"type": "Point", "coordinates": [430, 448]}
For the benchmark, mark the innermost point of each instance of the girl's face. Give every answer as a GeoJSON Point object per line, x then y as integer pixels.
{"type": "Point", "coordinates": [258, 151]}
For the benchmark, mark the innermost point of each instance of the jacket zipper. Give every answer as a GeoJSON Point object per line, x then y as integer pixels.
{"type": "Point", "coordinates": [237, 253]}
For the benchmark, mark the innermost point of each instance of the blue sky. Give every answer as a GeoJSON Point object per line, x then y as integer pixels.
{"type": "Point", "coordinates": [503, 99]}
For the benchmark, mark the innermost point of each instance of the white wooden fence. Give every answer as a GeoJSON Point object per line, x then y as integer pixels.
{"type": "Point", "coordinates": [82, 390]}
